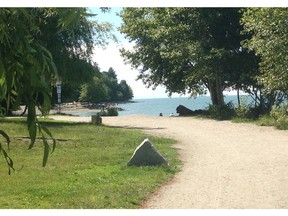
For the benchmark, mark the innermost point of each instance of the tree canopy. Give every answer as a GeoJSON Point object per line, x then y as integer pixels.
{"type": "Point", "coordinates": [104, 87]}
{"type": "Point", "coordinates": [188, 49]}
{"type": "Point", "coordinates": [268, 28]}
{"type": "Point", "coordinates": [37, 47]}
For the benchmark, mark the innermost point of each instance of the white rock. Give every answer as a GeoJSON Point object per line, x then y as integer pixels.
{"type": "Point", "coordinates": [146, 155]}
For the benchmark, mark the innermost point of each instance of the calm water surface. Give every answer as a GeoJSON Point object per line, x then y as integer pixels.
{"type": "Point", "coordinates": [167, 106]}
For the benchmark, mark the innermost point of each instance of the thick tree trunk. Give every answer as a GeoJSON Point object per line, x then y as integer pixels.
{"type": "Point", "coordinates": [216, 92]}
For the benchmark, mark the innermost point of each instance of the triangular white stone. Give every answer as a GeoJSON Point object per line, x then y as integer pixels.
{"type": "Point", "coordinates": [146, 155]}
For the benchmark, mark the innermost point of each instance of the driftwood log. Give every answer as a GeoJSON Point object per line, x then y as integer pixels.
{"type": "Point", "coordinates": [184, 111]}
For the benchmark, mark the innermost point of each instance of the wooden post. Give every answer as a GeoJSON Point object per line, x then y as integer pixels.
{"type": "Point", "coordinates": [96, 119]}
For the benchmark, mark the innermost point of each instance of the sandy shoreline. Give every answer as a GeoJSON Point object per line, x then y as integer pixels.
{"type": "Point", "coordinates": [225, 165]}
{"type": "Point", "coordinates": [68, 109]}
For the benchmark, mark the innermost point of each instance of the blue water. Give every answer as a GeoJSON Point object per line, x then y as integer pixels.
{"type": "Point", "coordinates": [167, 106]}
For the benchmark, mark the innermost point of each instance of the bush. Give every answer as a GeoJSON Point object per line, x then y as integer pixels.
{"type": "Point", "coordinates": [111, 111]}
{"type": "Point", "coordinates": [224, 112]}
{"type": "Point", "coordinates": [280, 115]}
{"type": "Point", "coordinates": [244, 111]}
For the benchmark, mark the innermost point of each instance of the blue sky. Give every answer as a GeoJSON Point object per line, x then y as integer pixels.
{"type": "Point", "coordinates": [110, 57]}
{"type": "Point", "coordinates": [110, 17]}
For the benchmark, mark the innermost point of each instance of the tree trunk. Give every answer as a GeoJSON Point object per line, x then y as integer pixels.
{"type": "Point", "coordinates": [238, 97]}
{"type": "Point", "coordinates": [216, 92]}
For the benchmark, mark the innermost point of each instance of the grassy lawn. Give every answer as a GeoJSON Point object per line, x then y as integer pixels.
{"type": "Point", "coordinates": [87, 170]}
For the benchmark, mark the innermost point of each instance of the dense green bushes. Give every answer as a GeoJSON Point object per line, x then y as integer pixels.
{"type": "Point", "coordinates": [104, 87]}
{"type": "Point", "coordinates": [224, 112]}
{"type": "Point", "coordinates": [110, 111]}
{"type": "Point", "coordinates": [280, 116]}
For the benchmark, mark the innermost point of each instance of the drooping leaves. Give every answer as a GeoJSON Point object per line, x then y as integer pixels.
{"type": "Point", "coordinates": [36, 44]}
{"type": "Point", "coordinates": [7, 158]}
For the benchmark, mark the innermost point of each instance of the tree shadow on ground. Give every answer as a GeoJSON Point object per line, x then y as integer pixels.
{"type": "Point", "coordinates": [135, 127]}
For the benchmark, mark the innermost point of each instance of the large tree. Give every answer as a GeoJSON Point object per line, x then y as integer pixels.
{"type": "Point", "coordinates": [104, 87]}
{"type": "Point", "coordinates": [34, 43]}
{"type": "Point", "coordinates": [269, 30]}
{"type": "Point", "coordinates": [187, 49]}
{"type": "Point", "coordinates": [72, 47]}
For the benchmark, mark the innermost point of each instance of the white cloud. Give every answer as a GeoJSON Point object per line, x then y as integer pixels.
{"type": "Point", "coordinates": [110, 57]}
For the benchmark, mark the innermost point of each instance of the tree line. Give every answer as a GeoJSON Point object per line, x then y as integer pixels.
{"type": "Point", "coordinates": [195, 50]}
{"type": "Point", "coordinates": [104, 87]}
{"type": "Point", "coordinates": [38, 47]}
{"type": "Point", "coordinates": [188, 50]}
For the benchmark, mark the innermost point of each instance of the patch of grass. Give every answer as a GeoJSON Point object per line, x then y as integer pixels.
{"type": "Point", "coordinates": [266, 120]}
{"type": "Point", "coordinates": [87, 170]}
{"type": "Point", "coordinates": [242, 120]}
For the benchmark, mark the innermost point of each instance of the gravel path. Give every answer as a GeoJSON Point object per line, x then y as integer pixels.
{"type": "Point", "coordinates": [225, 165]}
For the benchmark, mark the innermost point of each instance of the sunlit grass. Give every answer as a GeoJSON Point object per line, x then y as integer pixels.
{"type": "Point", "coordinates": [87, 170]}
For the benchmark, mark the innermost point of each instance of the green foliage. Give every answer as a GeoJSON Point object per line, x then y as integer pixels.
{"type": "Point", "coordinates": [224, 112]}
{"type": "Point", "coordinates": [188, 49]}
{"type": "Point", "coordinates": [280, 115]}
{"type": "Point", "coordinates": [244, 111]}
{"type": "Point", "coordinates": [8, 159]}
{"type": "Point", "coordinates": [37, 46]}
{"type": "Point", "coordinates": [125, 91]}
{"type": "Point", "coordinates": [269, 29]}
{"type": "Point", "coordinates": [95, 91]}
{"type": "Point", "coordinates": [88, 170]}
{"type": "Point", "coordinates": [104, 88]}
{"type": "Point", "coordinates": [110, 111]}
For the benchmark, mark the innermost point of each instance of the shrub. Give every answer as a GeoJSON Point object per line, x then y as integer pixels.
{"type": "Point", "coordinates": [111, 111]}
{"type": "Point", "coordinates": [224, 112]}
{"type": "Point", "coordinates": [280, 115]}
{"type": "Point", "coordinates": [244, 111]}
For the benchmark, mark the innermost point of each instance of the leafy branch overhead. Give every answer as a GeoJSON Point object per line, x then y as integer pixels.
{"type": "Point", "coordinates": [8, 160]}
{"type": "Point", "coordinates": [188, 50]}
{"type": "Point", "coordinates": [37, 47]}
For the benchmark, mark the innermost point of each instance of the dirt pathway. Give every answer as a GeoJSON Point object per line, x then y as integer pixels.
{"type": "Point", "coordinates": [225, 165]}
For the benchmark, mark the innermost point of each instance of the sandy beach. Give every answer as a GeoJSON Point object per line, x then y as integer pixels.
{"type": "Point", "coordinates": [225, 165]}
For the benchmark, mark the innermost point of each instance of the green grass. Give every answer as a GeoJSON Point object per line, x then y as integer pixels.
{"type": "Point", "coordinates": [265, 120]}
{"type": "Point", "coordinates": [87, 170]}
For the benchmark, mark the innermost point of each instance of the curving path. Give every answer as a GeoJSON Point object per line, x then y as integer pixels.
{"type": "Point", "coordinates": [225, 165]}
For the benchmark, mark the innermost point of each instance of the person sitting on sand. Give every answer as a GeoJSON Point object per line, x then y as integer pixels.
{"type": "Point", "coordinates": [160, 114]}
{"type": "Point", "coordinates": [171, 114]}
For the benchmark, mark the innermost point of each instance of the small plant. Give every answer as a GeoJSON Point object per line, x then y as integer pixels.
{"type": "Point", "coordinates": [110, 111]}
{"type": "Point", "coordinates": [224, 112]}
{"type": "Point", "coordinates": [280, 115]}
{"type": "Point", "coordinates": [244, 111]}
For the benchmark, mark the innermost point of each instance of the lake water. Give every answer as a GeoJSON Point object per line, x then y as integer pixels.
{"type": "Point", "coordinates": [167, 106]}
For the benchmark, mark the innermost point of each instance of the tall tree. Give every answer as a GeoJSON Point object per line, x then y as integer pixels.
{"type": "Point", "coordinates": [105, 87]}
{"type": "Point", "coordinates": [94, 91]}
{"type": "Point", "coordinates": [186, 49]}
{"type": "Point", "coordinates": [29, 59]}
{"type": "Point", "coordinates": [269, 30]}
{"type": "Point", "coordinates": [72, 47]}
{"type": "Point", "coordinates": [125, 91]}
